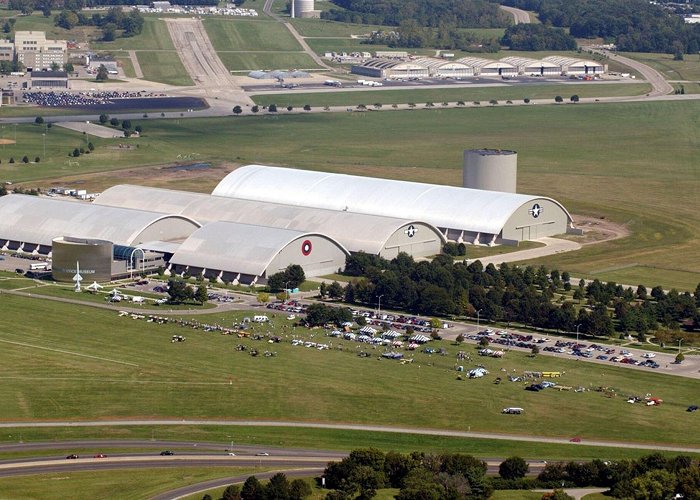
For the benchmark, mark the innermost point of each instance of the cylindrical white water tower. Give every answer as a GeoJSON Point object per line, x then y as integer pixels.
{"type": "Point", "coordinates": [303, 8]}
{"type": "Point", "coordinates": [490, 169]}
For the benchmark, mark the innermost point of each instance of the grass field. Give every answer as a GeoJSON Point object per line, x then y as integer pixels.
{"type": "Point", "coordinates": [249, 35]}
{"type": "Point", "coordinates": [154, 36]}
{"type": "Point", "coordinates": [688, 69]}
{"type": "Point", "coordinates": [247, 61]}
{"type": "Point", "coordinates": [132, 484]}
{"type": "Point", "coordinates": [163, 67]}
{"type": "Point", "coordinates": [483, 94]}
{"type": "Point", "coordinates": [95, 364]}
{"type": "Point", "coordinates": [127, 66]}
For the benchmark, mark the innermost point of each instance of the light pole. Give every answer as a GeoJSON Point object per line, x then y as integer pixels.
{"type": "Point", "coordinates": [286, 289]}
{"type": "Point", "coordinates": [87, 136]}
{"type": "Point", "coordinates": [478, 317]}
{"type": "Point", "coordinates": [379, 307]}
{"type": "Point", "coordinates": [43, 136]}
{"type": "Point", "coordinates": [679, 345]}
{"type": "Point", "coordinates": [577, 327]}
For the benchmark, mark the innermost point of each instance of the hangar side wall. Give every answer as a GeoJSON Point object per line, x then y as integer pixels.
{"type": "Point", "coordinates": [536, 219]}
{"type": "Point", "coordinates": [95, 258]}
{"type": "Point", "coordinates": [415, 239]}
{"type": "Point", "coordinates": [315, 254]}
{"type": "Point", "coordinates": [166, 229]}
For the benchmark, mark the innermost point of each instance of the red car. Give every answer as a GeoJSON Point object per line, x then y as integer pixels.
{"type": "Point", "coordinates": [575, 439]}
{"type": "Point", "coordinates": [100, 455]}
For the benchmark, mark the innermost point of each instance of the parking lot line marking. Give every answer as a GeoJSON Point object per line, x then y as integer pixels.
{"type": "Point", "coordinates": [68, 352]}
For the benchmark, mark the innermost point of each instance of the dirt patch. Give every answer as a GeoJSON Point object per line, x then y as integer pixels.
{"type": "Point", "coordinates": [162, 176]}
{"type": "Point", "coordinates": [598, 230]}
{"type": "Point", "coordinates": [6, 141]}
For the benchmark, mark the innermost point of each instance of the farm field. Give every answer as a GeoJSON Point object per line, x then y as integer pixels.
{"type": "Point", "coordinates": [420, 96]}
{"type": "Point", "coordinates": [95, 364]}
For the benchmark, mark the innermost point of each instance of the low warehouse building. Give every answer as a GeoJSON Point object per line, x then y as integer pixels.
{"type": "Point", "coordinates": [462, 214]}
{"type": "Point", "coordinates": [247, 254]}
{"type": "Point", "coordinates": [573, 66]}
{"type": "Point", "coordinates": [384, 68]}
{"type": "Point", "coordinates": [384, 236]}
{"type": "Point", "coordinates": [488, 67]}
{"type": "Point", "coordinates": [533, 67]}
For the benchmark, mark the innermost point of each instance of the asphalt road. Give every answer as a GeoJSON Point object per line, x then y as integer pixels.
{"type": "Point", "coordinates": [520, 16]}
{"type": "Point", "coordinates": [355, 427]}
{"type": "Point", "coordinates": [658, 82]}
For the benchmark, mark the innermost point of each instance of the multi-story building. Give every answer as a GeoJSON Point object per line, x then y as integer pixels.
{"type": "Point", "coordinates": [36, 52]}
{"type": "Point", "coordinates": [7, 50]}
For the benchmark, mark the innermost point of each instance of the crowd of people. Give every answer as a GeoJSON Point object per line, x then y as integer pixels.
{"type": "Point", "coordinates": [69, 99]}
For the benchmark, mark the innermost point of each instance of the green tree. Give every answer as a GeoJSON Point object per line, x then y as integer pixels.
{"type": "Point", "coordinates": [114, 122]}
{"type": "Point", "coordinates": [558, 99]}
{"type": "Point", "coordinates": [201, 294]}
{"type": "Point", "coordinates": [299, 489]}
{"type": "Point", "coordinates": [39, 120]}
{"type": "Point", "coordinates": [263, 298]}
{"type": "Point", "coordinates": [104, 118]}
{"type": "Point", "coordinates": [272, 108]}
{"type": "Point", "coordinates": [307, 107]}
{"type": "Point", "coordinates": [76, 153]}
{"type": "Point", "coordinates": [68, 67]}
{"type": "Point", "coordinates": [102, 74]}
{"type": "Point", "coordinates": [278, 487]}
{"type": "Point", "coordinates": [232, 492]}
{"type": "Point", "coordinates": [255, 108]}
{"type": "Point", "coordinates": [25, 159]}
{"type": "Point", "coordinates": [574, 98]}
{"type": "Point", "coordinates": [252, 489]}
{"type": "Point", "coordinates": [335, 290]}
{"type": "Point", "coordinates": [513, 468]}
{"type": "Point", "coordinates": [680, 357]}
{"type": "Point", "coordinates": [493, 102]}
{"type": "Point", "coordinates": [237, 110]}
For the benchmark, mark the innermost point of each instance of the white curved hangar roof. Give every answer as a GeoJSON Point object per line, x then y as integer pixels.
{"type": "Point", "coordinates": [354, 231]}
{"type": "Point", "coordinates": [36, 220]}
{"type": "Point", "coordinates": [526, 62]}
{"type": "Point", "coordinates": [387, 64]}
{"type": "Point", "coordinates": [437, 64]}
{"type": "Point", "coordinates": [480, 62]}
{"type": "Point", "coordinates": [442, 206]}
{"type": "Point", "coordinates": [565, 61]}
{"type": "Point", "coordinates": [243, 248]}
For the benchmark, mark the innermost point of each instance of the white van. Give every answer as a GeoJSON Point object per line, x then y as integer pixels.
{"type": "Point", "coordinates": [261, 319]}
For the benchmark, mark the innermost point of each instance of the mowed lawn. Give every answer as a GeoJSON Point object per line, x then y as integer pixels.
{"type": "Point", "coordinates": [94, 364]}
{"type": "Point", "coordinates": [163, 67]}
{"type": "Point", "coordinates": [248, 34]}
{"type": "Point", "coordinates": [247, 61]}
{"type": "Point", "coordinates": [497, 90]}
{"type": "Point", "coordinates": [687, 69]}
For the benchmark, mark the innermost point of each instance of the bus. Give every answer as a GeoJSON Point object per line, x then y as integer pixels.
{"type": "Point", "coordinates": [39, 266]}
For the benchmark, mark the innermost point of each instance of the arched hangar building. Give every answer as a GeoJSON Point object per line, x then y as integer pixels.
{"type": "Point", "coordinates": [379, 235]}
{"type": "Point", "coordinates": [462, 214]}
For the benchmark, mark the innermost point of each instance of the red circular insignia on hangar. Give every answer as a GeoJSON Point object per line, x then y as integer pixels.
{"type": "Point", "coordinates": [306, 248]}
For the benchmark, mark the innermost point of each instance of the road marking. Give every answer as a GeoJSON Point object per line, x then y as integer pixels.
{"type": "Point", "coordinates": [68, 352]}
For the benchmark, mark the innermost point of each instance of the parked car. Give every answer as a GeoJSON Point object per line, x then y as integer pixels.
{"type": "Point", "coordinates": [72, 456]}
{"type": "Point", "coordinates": [166, 453]}
{"type": "Point", "coordinates": [575, 439]}
{"type": "Point", "coordinates": [100, 455]}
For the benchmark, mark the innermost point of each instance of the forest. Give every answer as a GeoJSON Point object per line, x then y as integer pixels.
{"type": "Point", "coordinates": [633, 25]}
{"type": "Point", "coordinates": [426, 13]}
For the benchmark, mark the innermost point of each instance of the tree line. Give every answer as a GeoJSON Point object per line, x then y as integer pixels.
{"type": "Point", "coordinates": [537, 37]}
{"type": "Point", "coordinates": [279, 487]}
{"type": "Point", "coordinates": [461, 13]}
{"type": "Point", "coordinates": [420, 476]}
{"type": "Point", "coordinates": [446, 36]}
{"type": "Point", "coordinates": [112, 24]}
{"type": "Point", "coordinates": [528, 295]}
{"type": "Point", "coordinates": [633, 25]}
{"type": "Point", "coordinates": [29, 6]}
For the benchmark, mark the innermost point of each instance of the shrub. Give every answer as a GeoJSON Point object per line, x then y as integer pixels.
{"type": "Point", "coordinates": [25, 159]}
{"type": "Point", "coordinates": [114, 122]}
{"type": "Point", "coordinates": [12, 160]}
{"type": "Point", "coordinates": [37, 159]}
{"type": "Point", "coordinates": [39, 120]}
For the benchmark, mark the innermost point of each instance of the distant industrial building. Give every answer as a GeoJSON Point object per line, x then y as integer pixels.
{"type": "Point", "coordinates": [49, 79]}
{"type": "Point", "coordinates": [573, 66]}
{"type": "Point", "coordinates": [7, 50]}
{"type": "Point", "coordinates": [433, 67]}
{"type": "Point", "coordinates": [36, 52]}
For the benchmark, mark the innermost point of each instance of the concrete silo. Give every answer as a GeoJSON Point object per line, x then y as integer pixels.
{"type": "Point", "coordinates": [490, 169]}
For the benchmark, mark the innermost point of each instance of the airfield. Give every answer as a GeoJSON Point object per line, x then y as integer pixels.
{"type": "Point", "coordinates": [104, 383]}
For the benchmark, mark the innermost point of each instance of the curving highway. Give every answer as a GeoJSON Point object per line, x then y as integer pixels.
{"type": "Point", "coordinates": [519, 16]}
